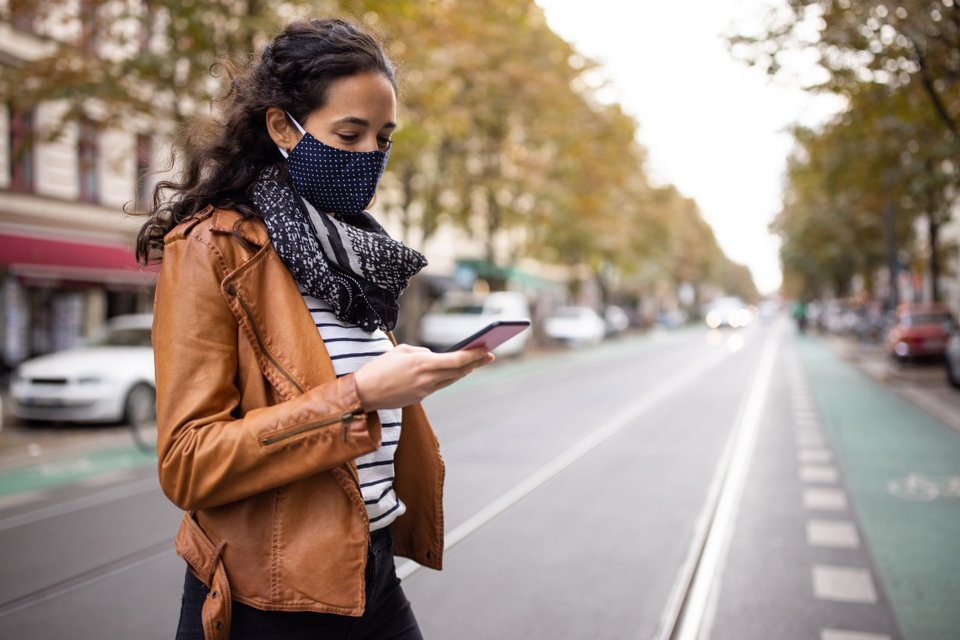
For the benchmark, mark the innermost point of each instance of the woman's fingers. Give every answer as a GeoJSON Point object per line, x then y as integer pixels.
{"type": "Point", "coordinates": [408, 374]}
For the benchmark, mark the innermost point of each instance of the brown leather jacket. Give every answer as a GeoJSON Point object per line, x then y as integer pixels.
{"type": "Point", "coordinates": [257, 436]}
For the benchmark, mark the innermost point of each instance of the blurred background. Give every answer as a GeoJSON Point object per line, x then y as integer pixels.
{"type": "Point", "coordinates": [665, 189]}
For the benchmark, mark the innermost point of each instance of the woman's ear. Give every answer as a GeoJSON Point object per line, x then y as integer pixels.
{"type": "Point", "coordinates": [283, 134]}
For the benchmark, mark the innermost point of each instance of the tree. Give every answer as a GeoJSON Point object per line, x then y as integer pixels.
{"type": "Point", "coordinates": [503, 134]}
{"type": "Point", "coordinates": [132, 59]}
{"type": "Point", "coordinates": [888, 42]}
{"type": "Point", "coordinates": [898, 64]}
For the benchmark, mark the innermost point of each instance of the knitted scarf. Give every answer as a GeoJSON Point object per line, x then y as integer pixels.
{"type": "Point", "coordinates": [348, 261]}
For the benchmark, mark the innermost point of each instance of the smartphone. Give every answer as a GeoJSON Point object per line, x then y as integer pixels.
{"type": "Point", "coordinates": [492, 335]}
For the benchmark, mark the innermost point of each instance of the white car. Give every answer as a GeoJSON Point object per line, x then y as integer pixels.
{"type": "Point", "coordinates": [728, 312]}
{"type": "Point", "coordinates": [108, 379]}
{"type": "Point", "coordinates": [576, 326]}
{"type": "Point", "coordinates": [459, 314]}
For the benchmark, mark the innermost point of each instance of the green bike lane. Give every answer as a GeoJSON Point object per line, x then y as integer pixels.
{"type": "Point", "coordinates": [37, 459]}
{"type": "Point", "coordinates": [902, 469]}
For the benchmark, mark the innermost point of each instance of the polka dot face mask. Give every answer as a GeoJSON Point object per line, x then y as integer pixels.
{"type": "Point", "coordinates": [331, 179]}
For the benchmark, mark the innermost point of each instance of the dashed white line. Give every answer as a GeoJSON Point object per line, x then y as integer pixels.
{"type": "Point", "coordinates": [805, 439]}
{"type": "Point", "coordinates": [825, 474]}
{"type": "Point", "coordinates": [839, 534]}
{"type": "Point", "coordinates": [837, 634]}
{"type": "Point", "coordinates": [814, 456]}
{"type": "Point", "coordinates": [820, 499]}
{"type": "Point", "coordinates": [843, 584]}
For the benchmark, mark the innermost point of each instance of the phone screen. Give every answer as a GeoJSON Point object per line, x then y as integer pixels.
{"type": "Point", "coordinates": [492, 335]}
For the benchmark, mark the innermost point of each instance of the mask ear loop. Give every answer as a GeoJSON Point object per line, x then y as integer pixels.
{"type": "Point", "coordinates": [283, 151]}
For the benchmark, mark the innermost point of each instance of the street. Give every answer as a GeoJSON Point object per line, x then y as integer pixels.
{"type": "Point", "coordinates": [734, 485]}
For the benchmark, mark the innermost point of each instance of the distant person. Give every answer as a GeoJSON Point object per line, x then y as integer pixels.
{"type": "Point", "coordinates": [800, 315]}
{"type": "Point", "coordinates": [289, 425]}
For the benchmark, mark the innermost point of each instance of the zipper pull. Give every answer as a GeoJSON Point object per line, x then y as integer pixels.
{"type": "Point", "coordinates": [346, 419]}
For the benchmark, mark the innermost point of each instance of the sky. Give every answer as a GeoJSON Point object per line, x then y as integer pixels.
{"type": "Point", "coordinates": [714, 127]}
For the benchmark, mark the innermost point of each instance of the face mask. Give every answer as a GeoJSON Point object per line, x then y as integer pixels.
{"type": "Point", "coordinates": [331, 179]}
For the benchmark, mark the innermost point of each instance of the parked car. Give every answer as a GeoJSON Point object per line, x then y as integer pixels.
{"type": "Point", "coordinates": [575, 326]}
{"type": "Point", "coordinates": [952, 358]}
{"type": "Point", "coordinates": [728, 311]}
{"type": "Point", "coordinates": [107, 379]}
{"type": "Point", "coordinates": [919, 330]}
{"type": "Point", "coordinates": [458, 314]}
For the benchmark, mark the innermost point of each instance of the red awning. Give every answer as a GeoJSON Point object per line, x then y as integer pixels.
{"type": "Point", "coordinates": [54, 258]}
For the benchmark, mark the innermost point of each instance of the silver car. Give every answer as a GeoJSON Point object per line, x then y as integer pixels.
{"type": "Point", "coordinates": [107, 379]}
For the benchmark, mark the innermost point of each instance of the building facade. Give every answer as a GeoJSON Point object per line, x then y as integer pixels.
{"type": "Point", "coordinates": [66, 245]}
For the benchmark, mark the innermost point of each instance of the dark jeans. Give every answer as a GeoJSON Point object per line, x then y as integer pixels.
{"type": "Point", "coordinates": [388, 614]}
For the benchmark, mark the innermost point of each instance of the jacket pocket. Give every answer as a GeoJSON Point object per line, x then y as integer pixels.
{"type": "Point", "coordinates": [291, 432]}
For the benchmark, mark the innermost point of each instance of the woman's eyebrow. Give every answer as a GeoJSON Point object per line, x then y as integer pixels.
{"type": "Point", "coordinates": [363, 123]}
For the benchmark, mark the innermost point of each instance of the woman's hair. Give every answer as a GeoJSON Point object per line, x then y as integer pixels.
{"type": "Point", "coordinates": [225, 157]}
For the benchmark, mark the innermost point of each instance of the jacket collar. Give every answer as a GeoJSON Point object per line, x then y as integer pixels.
{"type": "Point", "coordinates": [252, 229]}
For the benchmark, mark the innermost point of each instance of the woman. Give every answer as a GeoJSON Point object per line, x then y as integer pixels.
{"type": "Point", "coordinates": [279, 389]}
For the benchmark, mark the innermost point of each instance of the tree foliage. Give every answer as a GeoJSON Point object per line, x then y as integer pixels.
{"type": "Point", "coordinates": [503, 132]}
{"type": "Point", "coordinates": [895, 148]}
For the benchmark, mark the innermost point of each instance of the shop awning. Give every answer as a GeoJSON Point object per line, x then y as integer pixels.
{"type": "Point", "coordinates": [64, 260]}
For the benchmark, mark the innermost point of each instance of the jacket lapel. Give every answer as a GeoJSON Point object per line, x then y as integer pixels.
{"type": "Point", "coordinates": [278, 325]}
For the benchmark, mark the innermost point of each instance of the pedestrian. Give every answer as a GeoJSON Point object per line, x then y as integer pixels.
{"type": "Point", "coordinates": [800, 315]}
{"type": "Point", "coordinates": [289, 423]}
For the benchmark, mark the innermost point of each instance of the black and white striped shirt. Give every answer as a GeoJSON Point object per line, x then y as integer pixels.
{"type": "Point", "coordinates": [350, 347]}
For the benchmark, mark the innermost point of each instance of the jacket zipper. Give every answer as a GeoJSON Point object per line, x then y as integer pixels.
{"type": "Point", "coordinates": [280, 436]}
{"type": "Point", "coordinates": [263, 347]}
{"type": "Point", "coordinates": [345, 418]}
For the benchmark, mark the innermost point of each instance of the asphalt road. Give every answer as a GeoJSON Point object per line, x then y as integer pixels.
{"type": "Point", "coordinates": [652, 487]}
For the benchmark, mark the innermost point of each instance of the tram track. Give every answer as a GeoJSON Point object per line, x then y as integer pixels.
{"type": "Point", "coordinates": [95, 574]}
{"type": "Point", "coordinates": [690, 606]}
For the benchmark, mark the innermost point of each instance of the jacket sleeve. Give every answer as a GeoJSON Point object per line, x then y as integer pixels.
{"type": "Point", "coordinates": [207, 454]}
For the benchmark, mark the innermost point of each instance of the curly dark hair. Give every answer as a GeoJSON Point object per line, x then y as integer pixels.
{"type": "Point", "coordinates": [225, 156]}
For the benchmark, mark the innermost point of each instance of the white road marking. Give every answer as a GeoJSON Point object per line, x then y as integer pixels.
{"type": "Point", "coordinates": [595, 438]}
{"type": "Point", "coordinates": [826, 474]}
{"type": "Point", "coordinates": [840, 534]}
{"type": "Point", "coordinates": [806, 439]}
{"type": "Point", "coordinates": [837, 634]}
{"type": "Point", "coordinates": [843, 584]}
{"type": "Point", "coordinates": [815, 455]}
{"type": "Point", "coordinates": [824, 499]}
{"type": "Point", "coordinates": [699, 607]}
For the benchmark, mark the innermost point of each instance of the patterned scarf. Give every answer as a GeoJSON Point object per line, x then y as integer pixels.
{"type": "Point", "coordinates": [349, 262]}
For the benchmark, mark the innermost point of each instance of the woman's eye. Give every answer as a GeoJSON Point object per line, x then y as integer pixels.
{"type": "Point", "coordinates": [384, 143]}
{"type": "Point", "coordinates": [348, 137]}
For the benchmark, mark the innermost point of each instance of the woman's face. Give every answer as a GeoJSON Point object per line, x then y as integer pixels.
{"type": "Point", "coordinates": [360, 115]}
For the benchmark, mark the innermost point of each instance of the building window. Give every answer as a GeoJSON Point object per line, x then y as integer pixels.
{"type": "Point", "coordinates": [144, 166]}
{"type": "Point", "coordinates": [88, 162]}
{"type": "Point", "coordinates": [23, 14]}
{"type": "Point", "coordinates": [20, 148]}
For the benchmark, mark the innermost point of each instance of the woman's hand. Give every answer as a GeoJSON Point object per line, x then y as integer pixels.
{"type": "Point", "coordinates": [406, 375]}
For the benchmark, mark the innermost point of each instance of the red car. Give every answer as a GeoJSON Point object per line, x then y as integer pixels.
{"type": "Point", "coordinates": [920, 331]}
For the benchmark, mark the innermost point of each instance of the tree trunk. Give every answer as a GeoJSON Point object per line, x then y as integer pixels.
{"type": "Point", "coordinates": [934, 241]}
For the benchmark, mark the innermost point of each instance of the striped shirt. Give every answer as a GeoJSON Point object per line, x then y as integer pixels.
{"type": "Point", "coordinates": [350, 347]}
